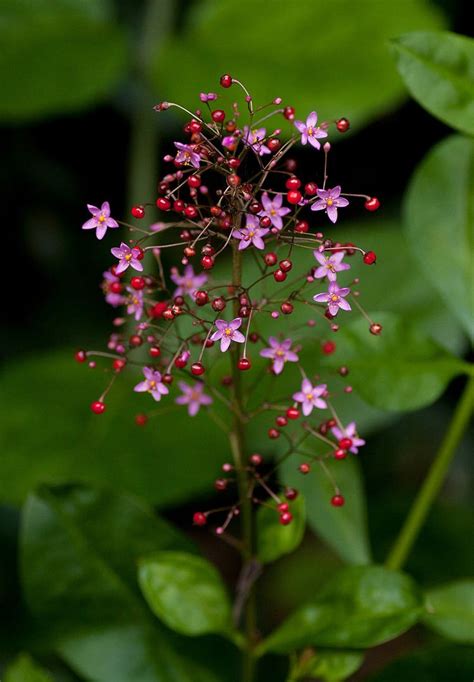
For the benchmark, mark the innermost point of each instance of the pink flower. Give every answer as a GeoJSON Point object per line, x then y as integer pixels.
{"type": "Point", "coordinates": [187, 283]}
{"type": "Point", "coordinates": [100, 221]}
{"type": "Point", "coordinates": [310, 396]}
{"type": "Point", "coordinates": [127, 257]}
{"type": "Point", "coordinates": [252, 233]}
{"type": "Point", "coordinates": [229, 141]}
{"type": "Point", "coordinates": [135, 303]}
{"type": "Point", "coordinates": [152, 384]}
{"type": "Point", "coordinates": [310, 132]}
{"type": "Point", "coordinates": [111, 298]}
{"type": "Point", "coordinates": [334, 298]}
{"type": "Point", "coordinates": [279, 352]}
{"type": "Point", "coordinates": [330, 265]}
{"type": "Point", "coordinates": [273, 209]}
{"type": "Point", "coordinates": [207, 96]}
{"type": "Point", "coordinates": [186, 155]}
{"type": "Point", "coordinates": [253, 138]}
{"type": "Point", "coordinates": [193, 397]}
{"type": "Point", "coordinates": [227, 332]}
{"type": "Point", "coordinates": [329, 201]}
{"type": "Point", "coordinates": [349, 432]}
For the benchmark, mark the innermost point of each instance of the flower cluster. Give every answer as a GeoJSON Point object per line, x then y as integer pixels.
{"type": "Point", "coordinates": [256, 272]}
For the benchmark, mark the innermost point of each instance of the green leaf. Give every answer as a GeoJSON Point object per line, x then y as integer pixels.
{"type": "Point", "coordinates": [438, 70]}
{"type": "Point", "coordinates": [401, 370]}
{"type": "Point", "coordinates": [434, 664]}
{"type": "Point", "coordinates": [331, 665]}
{"type": "Point", "coordinates": [24, 669]}
{"type": "Point", "coordinates": [360, 607]}
{"type": "Point", "coordinates": [275, 540]}
{"type": "Point", "coordinates": [361, 86]}
{"type": "Point", "coordinates": [57, 55]}
{"type": "Point", "coordinates": [439, 218]}
{"type": "Point", "coordinates": [343, 528]}
{"type": "Point", "coordinates": [450, 611]}
{"type": "Point", "coordinates": [186, 592]}
{"type": "Point", "coordinates": [79, 550]}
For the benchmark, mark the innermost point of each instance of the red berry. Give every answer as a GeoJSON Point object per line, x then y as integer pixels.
{"type": "Point", "coordinates": [158, 309]}
{"type": "Point", "coordinates": [337, 501]}
{"type": "Point", "coordinates": [218, 115]}
{"type": "Point", "coordinates": [233, 180]}
{"type": "Point", "coordinates": [283, 507]}
{"type": "Point", "coordinates": [195, 127]}
{"type": "Point", "coordinates": [189, 252]}
{"type": "Point", "coordinates": [218, 304]}
{"type": "Point", "coordinates": [311, 188]}
{"type": "Point", "coordinates": [304, 468]}
{"type": "Point", "coordinates": [141, 253]}
{"type": "Point", "coordinates": [270, 258]}
{"type": "Point", "coordinates": [256, 459]}
{"type": "Point", "coordinates": [226, 80]}
{"type": "Point", "coordinates": [220, 484]}
{"type": "Point", "coordinates": [340, 454]}
{"type": "Point", "coordinates": [293, 413]}
{"type": "Point", "coordinates": [244, 363]}
{"type": "Point", "coordinates": [163, 204]}
{"type": "Point", "coordinates": [179, 205]}
{"type": "Point", "coordinates": [201, 297]}
{"type": "Point", "coordinates": [286, 518]}
{"type": "Point", "coordinates": [167, 378]}
{"type": "Point", "coordinates": [345, 443]}
{"type": "Point", "coordinates": [80, 356]}
{"type": "Point", "coordinates": [197, 369]}
{"type": "Point", "coordinates": [291, 494]}
{"type": "Point", "coordinates": [180, 362]}
{"type": "Point", "coordinates": [190, 212]}
{"type": "Point", "coordinates": [372, 204]}
{"type": "Point", "coordinates": [294, 196]}
{"type": "Point", "coordinates": [289, 113]}
{"type": "Point", "coordinates": [286, 264]}
{"type": "Point", "coordinates": [199, 519]}
{"type": "Point", "coordinates": [97, 407]}
{"type": "Point", "coordinates": [286, 308]}
{"type": "Point", "coordinates": [141, 419]}
{"type": "Point", "coordinates": [328, 347]}
{"type": "Point", "coordinates": [273, 433]}
{"type": "Point", "coordinates": [375, 329]}
{"type": "Point", "coordinates": [135, 340]}
{"type": "Point", "coordinates": [138, 212]}
{"type": "Point", "coordinates": [279, 275]}
{"type": "Point", "coordinates": [194, 181]}
{"type": "Point", "coordinates": [154, 352]}
{"type": "Point", "coordinates": [118, 364]}
{"type": "Point", "coordinates": [234, 163]}
{"type": "Point", "coordinates": [116, 287]}
{"type": "Point", "coordinates": [369, 258]}
{"type": "Point", "coordinates": [265, 221]}
{"type": "Point", "coordinates": [137, 283]}
{"type": "Point", "coordinates": [343, 125]}
{"type": "Point", "coordinates": [255, 207]}
{"type": "Point", "coordinates": [273, 144]}
{"type": "Point", "coordinates": [293, 183]}
{"type": "Point", "coordinates": [207, 262]}
{"type": "Point", "coordinates": [281, 420]}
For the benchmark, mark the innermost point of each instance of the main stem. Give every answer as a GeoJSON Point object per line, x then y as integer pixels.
{"type": "Point", "coordinates": [434, 480]}
{"type": "Point", "coordinates": [237, 443]}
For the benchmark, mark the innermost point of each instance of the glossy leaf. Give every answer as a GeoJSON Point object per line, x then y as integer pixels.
{"type": "Point", "coordinates": [79, 550]}
{"type": "Point", "coordinates": [273, 539]}
{"type": "Point", "coordinates": [330, 665]}
{"type": "Point", "coordinates": [360, 607]}
{"type": "Point", "coordinates": [438, 70]}
{"type": "Point", "coordinates": [25, 669]}
{"type": "Point", "coordinates": [439, 218]}
{"type": "Point", "coordinates": [361, 86]}
{"type": "Point", "coordinates": [186, 592]}
{"type": "Point", "coordinates": [57, 55]}
{"type": "Point", "coordinates": [450, 611]}
{"type": "Point", "coordinates": [401, 370]}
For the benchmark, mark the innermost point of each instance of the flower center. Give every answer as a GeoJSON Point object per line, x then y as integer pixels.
{"type": "Point", "coordinates": [102, 218]}
{"type": "Point", "coordinates": [329, 202]}
{"type": "Point", "coordinates": [273, 212]}
{"type": "Point", "coordinates": [309, 396]}
{"type": "Point", "coordinates": [128, 257]}
{"type": "Point", "coordinates": [310, 131]}
{"type": "Point", "coordinates": [280, 353]}
{"type": "Point", "coordinates": [334, 298]}
{"type": "Point", "coordinates": [152, 384]}
{"type": "Point", "coordinates": [228, 331]}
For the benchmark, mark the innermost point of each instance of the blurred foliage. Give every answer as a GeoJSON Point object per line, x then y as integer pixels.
{"type": "Point", "coordinates": [275, 540]}
{"type": "Point", "coordinates": [433, 664]}
{"type": "Point", "coordinates": [24, 669]}
{"type": "Point", "coordinates": [450, 611]}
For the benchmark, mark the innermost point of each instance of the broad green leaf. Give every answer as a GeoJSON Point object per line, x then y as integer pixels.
{"type": "Point", "coordinates": [360, 607]}
{"type": "Point", "coordinates": [433, 664]}
{"type": "Point", "coordinates": [400, 370]}
{"type": "Point", "coordinates": [24, 669]}
{"type": "Point", "coordinates": [450, 611]}
{"type": "Point", "coordinates": [79, 550]}
{"type": "Point", "coordinates": [439, 218]}
{"type": "Point", "coordinates": [57, 55]}
{"type": "Point", "coordinates": [354, 74]}
{"type": "Point", "coordinates": [49, 435]}
{"type": "Point", "coordinates": [186, 592]}
{"type": "Point", "coordinates": [343, 528]}
{"type": "Point", "coordinates": [330, 665]}
{"type": "Point", "coordinates": [275, 540]}
{"type": "Point", "coordinates": [438, 70]}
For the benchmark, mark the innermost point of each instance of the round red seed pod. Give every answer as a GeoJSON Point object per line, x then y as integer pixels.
{"type": "Point", "coordinates": [141, 419]}
{"type": "Point", "coordinates": [279, 275]}
{"type": "Point", "coordinates": [286, 308]}
{"type": "Point", "coordinates": [286, 264]}
{"type": "Point", "coordinates": [311, 189]}
{"type": "Point", "coordinates": [294, 196]}
{"type": "Point", "coordinates": [289, 113]}
{"type": "Point", "coordinates": [370, 258]}
{"type": "Point", "coordinates": [340, 454]}
{"type": "Point", "coordinates": [301, 226]}
{"type": "Point", "coordinates": [191, 212]}
{"type": "Point", "coordinates": [234, 162]}
{"type": "Point", "coordinates": [163, 204]}
{"type": "Point", "coordinates": [195, 127]}
{"type": "Point", "coordinates": [372, 204]}
{"type": "Point", "coordinates": [201, 297]}
{"type": "Point", "coordinates": [283, 507]}
{"type": "Point", "coordinates": [180, 362]}
{"type": "Point", "coordinates": [328, 347]}
{"type": "Point", "coordinates": [345, 443]}
{"type": "Point", "coordinates": [293, 183]}
{"type": "Point", "coordinates": [220, 484]}
{"type": "Point", "coordinates": [116, 287]}
{"type": "Point", "coordinates": [207, 262]}
{"type": "Point", "coordinates": [80, 356]}
{"type": "Point", "coordinates": [265, 222]}
{"type": "Point", "coordinates": [286, 518]}
{"type": "Point", "coordinates": [197, 369]}
{"type": "Point", "coordinates": [255, 207]}
{"type": "Point", "coordinates": [337, 501]}
{"type": "Point", "coordinates": [273, 144]}
{"type": "Point", "coordinates": [343, 125]}
{"type": "Point", "coordinates": [194, 181]}
{"type": "Point", "coordinates": [233, 180]}
{"type": "Point", "coordinates": [273, 433]}
{"type": "Point", "coordinates": [158, 309]}
{"type": "Point", "coordinates": [138, 212]}
{"type": "Point", "coordinates": [179, 205]}
{"type": "Point", "coordinates": [189, 252]}
{"type": "Point", "coordinates": [141, 253]}
{"type": "Point", "coordinates": [291, 494]}
{"type": "Point", "coordinates": [281, 420]}
{"type": "Point", "coordinates": [118, 364]}
{"type": "Point", "coordinates": [293, 413]}
{"type": "Point", "coordinates": [226, 80]}
{"type": "Point", "coordinates": [97, 407]}
{"type": "Point", "coordinates": [218, 115]}
{"type": "Point", "coordinates": [137, 283]}
{"type": "Point", "coordinates": [256, 459]}
{"type": "Point", "coordinates": [167, 378]}
{"type": "Point", "coordinates": [218, 304]}
{"type": "Point", "coordinates": [199, 519]}
{"type": "Point", "coordinates": [154, 352]}
{"type": "Point", "coordinates": [135, 340]}
{"type": "Point", "coordinates": [304, 468]}
{"type": "Point", "coordinates": [270, 258]}
{"type": "Point", "coordinates": [244, 364]}
{"type": "Point", "coordinates": [375, 329]}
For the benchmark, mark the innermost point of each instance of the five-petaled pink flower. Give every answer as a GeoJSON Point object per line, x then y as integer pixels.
{"type": "Point", "coordinates": [329, 201]}
{"type": "Point", "coordinates": [310, 131]}
{"type": "Point", "coordinates": [253, 138]}
{"type": "Point", "coordinates": [100, 220]}
{"type": "Point", "coordinates": [272, 208]}
{"type": "Point", "coordinates": [135, 303]}
{"type": "Point", "coordinates": [335, 298]}
{"type": "Point", "coordinates": [349, 432]}
{"type": "Point", "coordinates": [310, 396]}
{"type": "Point", "coordinates": [152, 384]}
{"type": "Point", "coordinates": [127, 257]}
{"type": "Point", "coordinates": [252, 233]}
{"type": "Point", "coordinates": [187, 283]}
{"type": "Point", "coordinates": [330, 265]}
{"type": "Point", "coordinates": [187, 155]}
{"type": "Point", "coordinates": [193, 397]}
{"type": "Point", "coordinates": [280, 352]}
{"type": "Point", "coordinates": [227, 332]}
